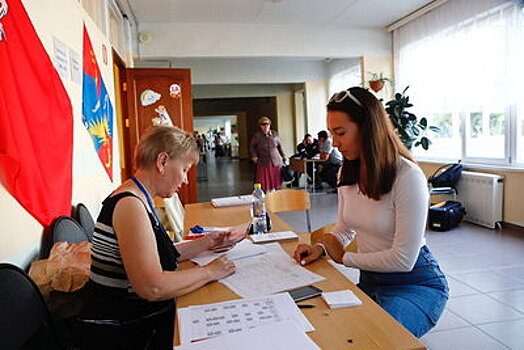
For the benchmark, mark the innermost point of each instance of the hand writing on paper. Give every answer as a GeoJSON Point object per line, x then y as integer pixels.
{"type": "Point", "coordinates": [220, 268]}
{"type": "Point", "coordinates": [305, 253]}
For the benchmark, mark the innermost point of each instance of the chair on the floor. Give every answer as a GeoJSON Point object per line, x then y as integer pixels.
{"type": "Point", "coordinates": [84, 218]}
{"type": "Point", "coordinates": [316, 236]}
{"type": "Point", "coordinates": [289, 200]}
{"type": "Point", "coordinates": [25, 322]}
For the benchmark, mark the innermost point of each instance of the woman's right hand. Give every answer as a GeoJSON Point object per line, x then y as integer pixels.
{"type": "Point", "coordinates": [305, 253]}
{"type": "Point", "coordinates": [255, 160]}
{"type": "Point", "coordinates": [220, 268]}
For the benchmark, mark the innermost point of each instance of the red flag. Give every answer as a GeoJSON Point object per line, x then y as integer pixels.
{"type": "Point", "coordinates": [36, 121]}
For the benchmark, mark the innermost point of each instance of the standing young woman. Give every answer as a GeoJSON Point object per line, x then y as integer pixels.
{"type": "Point", "coordinates": [383, 204]}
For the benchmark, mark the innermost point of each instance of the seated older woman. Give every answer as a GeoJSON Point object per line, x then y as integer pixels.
{"type": "Point", "coordinates": [133, 279]}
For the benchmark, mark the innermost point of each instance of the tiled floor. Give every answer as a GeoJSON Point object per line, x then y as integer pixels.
{"type": "Point", "coordinates": [485, 271]}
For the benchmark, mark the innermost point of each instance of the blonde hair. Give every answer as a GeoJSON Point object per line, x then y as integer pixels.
{"type": "Point", "coordinates": [263, 120]}
{"type": "Point", "coordinates": [172, 140]}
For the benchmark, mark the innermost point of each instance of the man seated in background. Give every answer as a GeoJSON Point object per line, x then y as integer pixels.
{"type": "Point", "coordinates": [306, 149]}
{"type": "Point", "coordinates": [328, 170]}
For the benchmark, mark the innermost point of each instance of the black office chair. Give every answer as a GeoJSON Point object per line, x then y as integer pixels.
{"type": "Point", "coordinates": [66, 229]}
{"type": "Point", "coordinates": [84, 218]}
{"type": "Point", "coordinates": [25, 322]}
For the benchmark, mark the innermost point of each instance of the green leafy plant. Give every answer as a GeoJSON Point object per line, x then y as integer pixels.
{"type": "Point", "coordinates": [378, 77]}
{"type": "Point", "coordinates": [411, 130]}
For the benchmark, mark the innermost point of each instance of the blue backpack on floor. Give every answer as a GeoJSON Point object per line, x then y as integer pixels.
{"type": "Point", "coordinates": [446, 176]}
{"type": "Point", "coordinates": [445, 216]}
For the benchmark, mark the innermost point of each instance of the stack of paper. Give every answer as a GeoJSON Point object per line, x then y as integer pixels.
{"type": "Point", "coordinates": [277, 336]}
{"type": "Point", "coordinates": [243, 249]}
{"type": "Point", "coordinates": [343, 298]}
{"type": "Point", "coordinates": [232, 201]}
{"type": "Point", "coordinates": [273, 236]}
{"type": "Point", "coordinates": [200, 322]}
{"type": "Point", "coordinates": [268, 273]}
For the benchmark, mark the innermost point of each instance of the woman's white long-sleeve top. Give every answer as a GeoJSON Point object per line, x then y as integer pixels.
{"type": "Point", "coordinates": [390, 231]}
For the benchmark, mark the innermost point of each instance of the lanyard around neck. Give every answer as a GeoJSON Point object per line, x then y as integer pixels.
{"type": "Point", "coordinates": [148, 198]}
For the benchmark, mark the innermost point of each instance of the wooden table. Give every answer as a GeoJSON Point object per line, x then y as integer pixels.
{"type": "Point", "coordinates": [299, 165]}
{"type": "Point", "coordinates": [362, 327]}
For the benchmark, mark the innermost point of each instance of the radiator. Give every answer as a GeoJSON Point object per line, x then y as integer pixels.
{"type": "Point", "coordinates": [482, 196]}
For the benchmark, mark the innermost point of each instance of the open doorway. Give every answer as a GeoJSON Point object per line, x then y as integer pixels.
{"type": "Point", "coordinates": [232, 122]}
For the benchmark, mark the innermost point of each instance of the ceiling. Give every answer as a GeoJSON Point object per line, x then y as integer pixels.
{"type": "Point", "coordinates": [352, 13]}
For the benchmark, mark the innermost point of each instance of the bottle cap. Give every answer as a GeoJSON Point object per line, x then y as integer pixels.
{"type": "Point", "coordinates": [257, 186]}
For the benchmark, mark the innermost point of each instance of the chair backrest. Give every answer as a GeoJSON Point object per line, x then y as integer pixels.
{"type": "Point", "coordinates": [66, 229]}
{"type": "Point", "coordinates": [175, 214]}
{"type": "Point", "coordinates": [287, 200]}
{"type": "Point", "coordinates": [24, 314]}
{"type": "Point", "coordinates": [316, 236]}
{"type": "Point", "coordinates": [84, 218]}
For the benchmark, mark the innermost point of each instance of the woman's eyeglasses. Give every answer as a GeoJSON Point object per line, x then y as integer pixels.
{"type": "Point", "coordinates": [342, 95]}
{"type": "Point", "coordinates": [264, 124]}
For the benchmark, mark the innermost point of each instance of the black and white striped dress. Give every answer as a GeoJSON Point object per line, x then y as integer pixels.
{"type": "Point", "coordinates": [107, 269]}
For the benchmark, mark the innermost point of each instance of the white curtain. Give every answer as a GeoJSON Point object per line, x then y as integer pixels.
{"type": "Point", "coordinates": [462, 58]}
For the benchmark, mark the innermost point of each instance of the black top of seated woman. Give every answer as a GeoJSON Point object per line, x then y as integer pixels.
{"type": "Point", "coordinates": [110, 294]}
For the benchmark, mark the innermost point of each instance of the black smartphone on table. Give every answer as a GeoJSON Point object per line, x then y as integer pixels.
{"type": "Point", "coordinates": [304, 293]}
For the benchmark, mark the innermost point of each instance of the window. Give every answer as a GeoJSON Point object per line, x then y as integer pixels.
{"type": "Point", "coordinates": [463, 64]}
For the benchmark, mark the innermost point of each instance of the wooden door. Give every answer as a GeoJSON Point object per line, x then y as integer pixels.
{"type": "Point", "coordinates": [153, 96]}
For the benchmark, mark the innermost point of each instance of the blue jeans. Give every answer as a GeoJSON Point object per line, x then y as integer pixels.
{"type": "Point", "coordinates": [416, 299]}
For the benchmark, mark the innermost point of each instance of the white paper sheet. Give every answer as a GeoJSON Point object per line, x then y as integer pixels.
{"type": "Point", "coordinates": [232, 201]}
{"type": "Point", "coordinates": [273, 236]}
{"type": "Point", "coordinates": [268, 273]}
{"type": "Point", "coordinates": [283, 335]}
{"type": "Point", "coordinates": [212, 320]}
{"type": "Point", "coordinates": [243, 249]}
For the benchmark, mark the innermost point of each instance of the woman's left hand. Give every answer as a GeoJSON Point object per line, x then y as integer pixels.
{"type": "Point", "coordinates": [333, 247]}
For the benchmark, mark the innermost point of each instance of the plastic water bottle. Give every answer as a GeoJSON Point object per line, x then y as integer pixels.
{"type": "Point", "coordinates": [258, 210]}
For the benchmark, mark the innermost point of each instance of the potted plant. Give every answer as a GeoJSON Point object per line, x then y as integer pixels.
{"type": "Point", "coordinates": [411, 130]}
{"type": "Point", "coordinates": [377, 81]}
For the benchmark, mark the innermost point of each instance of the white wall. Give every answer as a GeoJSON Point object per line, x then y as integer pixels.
{"type": "Point", "coordinates": [286, 127]}
{"type": "Point", "coordinates": [20, 233]}
{"type": "Point", "coordinates": [241, 90]}
{"type": "Point", "coordinates": [245, 70]}
{"type": "Point", "coordinates": [261, 40]}
{"type": "Point", "coordinates": [316, 100]}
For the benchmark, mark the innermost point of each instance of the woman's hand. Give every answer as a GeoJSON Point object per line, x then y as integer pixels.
{"type": "Point", "coordinates": [333, 247]}
{"type": "Point", "coordinates": [305, 253]}
{"type": "Point", "coordinates": [255, 160]}
{"type": "Point", "coordinates": [285, 160]}
{"type": "Point", "coordinates": [220, 268]}
{"type": "Point", "coordinates": [227, 238]}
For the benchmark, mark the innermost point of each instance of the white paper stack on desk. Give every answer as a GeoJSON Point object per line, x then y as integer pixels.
{"type": "Point", "coordinates": [343, 298]}
{"type": "Point", "coordinates": [232, 201]}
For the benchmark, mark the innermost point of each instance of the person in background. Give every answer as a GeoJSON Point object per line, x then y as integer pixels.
{"type": "Point", "coordinates": [219, 146]}
{"type": "Point", "coordinates": [266, 152]}
{"type": "Point", "coordinates": [383, 204]}
{"type": "Point", "coordinates": [328, 170]}
{"type": "Point", "coordinates": [306, 149]}
{"type": "Point", "coordinates": [134, 278]}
